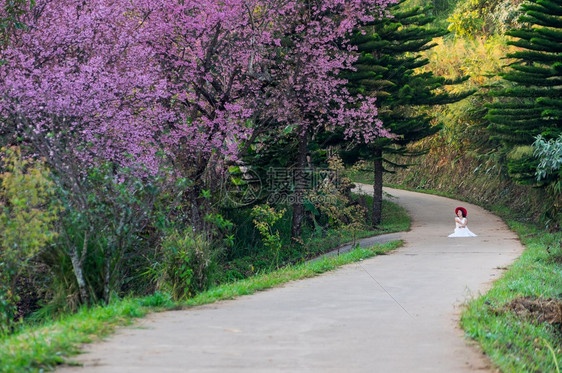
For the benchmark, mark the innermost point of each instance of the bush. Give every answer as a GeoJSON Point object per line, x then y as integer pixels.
{"type": "Point", "coordinates": [185, 266]}
{"type": "Point", "coordinates": [265, 218]}
{"type": "Point", "coordinates": [27, 214]}
{"type": "Point", "coordinates": [331, 200]}
{"type": "Point", "coordinates": [549, 174]}
{"type": "Point", "coordinates": [104, 233]}
{"type": "Point", "coordinates": [484, 17]}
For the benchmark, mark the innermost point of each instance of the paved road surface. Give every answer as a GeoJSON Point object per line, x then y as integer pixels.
{"type": "Point", "coordinates": [392, 313]}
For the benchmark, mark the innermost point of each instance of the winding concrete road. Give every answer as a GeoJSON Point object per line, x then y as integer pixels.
{"type": "Point", "coordinates": [393, 313]}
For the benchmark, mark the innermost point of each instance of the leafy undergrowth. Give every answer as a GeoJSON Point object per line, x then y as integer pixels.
{"type": "Point", "coordinates": [43, 347]}
{"type": "Point", "coordinates": [394, 219]}
{"type": "Point", "coordinates": [517, 322]}
{"type": "Point", "coordinates": [362, 176]}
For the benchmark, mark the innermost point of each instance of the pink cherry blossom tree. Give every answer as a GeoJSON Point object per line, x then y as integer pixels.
{"type": "Point", "coordinates": [314, 47]}
{"type": "Point", "coordinates": [189, 83]}
{"type": "Point", "coordinates": [236, 67]}
{"type": "Point", "coordinates": [79, 87]}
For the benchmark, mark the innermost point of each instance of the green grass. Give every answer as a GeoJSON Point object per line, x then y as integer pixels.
{"type": "Point", "coordinates": [394, 218]}
{"type": "Point", "coordinates": [362, 176]}
{"type": "Point", "coordinates": [513, 343]}
{"type": "Point", "coordinates": [42, 347]}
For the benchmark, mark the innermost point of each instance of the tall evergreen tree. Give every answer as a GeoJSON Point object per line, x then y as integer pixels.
{"type": "Point", "coordinates": [388, 68]}
{"type": "Point", "coordinates": [532, 104]}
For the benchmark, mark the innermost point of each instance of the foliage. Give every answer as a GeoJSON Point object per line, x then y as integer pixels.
{"type": "Point", "coordinates": [550, 157]}
{"type": "Point", "coordinates": [332, 200]}
{"type": "Point", "coordinates": [248, 257]}
{"type": "Point", "coordinates": [265, 218]}
{"type": "Point", "coordinates": [389, 66]}
{"type": "Point", "coordinates": [26, 200]}
{"type": "Point", "coordinates": [464, 126]}
{"type": "Point", "coordinates": [475, 18]}
{"type": "Point", "coordinates": [185, 265]}
{"type": "Point", "coordinates": [530, 104]}
{"type": "Point", "coordinates": [241, 70]}
{"type": "Point", "coordinates": [467, 23]}
{"type": "Point", "coordinates": [102, 240]}
{"type": "Point", "coordinates": [78, 84]}
{"type": "Point", "coordinates": [441, 8]}
{"type": "Point", "coordinates": [549, 173]}
{"type": "Point", "coordinates": [187, 83]}
{"type": "Point", "coordinates": [270, 45]}
{"type": "Point", "coordinates": [26, 192]}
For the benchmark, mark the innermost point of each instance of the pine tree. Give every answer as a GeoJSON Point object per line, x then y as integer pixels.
{"type": "Point", "coordinates": [531, 105]}
{"type": "Point", "coordinates": [388, 67]}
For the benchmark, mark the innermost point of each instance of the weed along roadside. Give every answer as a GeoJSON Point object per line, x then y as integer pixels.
{"type": "Point", "coordinates": [246, 250]}
{"type": "Point", "coordinates": [43, 347]}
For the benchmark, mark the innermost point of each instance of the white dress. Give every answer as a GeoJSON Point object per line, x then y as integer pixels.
{"type": "Point", "coordinates": [461, 232]}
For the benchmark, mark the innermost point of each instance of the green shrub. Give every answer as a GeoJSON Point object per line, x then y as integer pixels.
{"type": "Point", "coordinates": [26, 223]}
{"type": "Point", "coordinates": [265, 218]}
{"type": "Point", "coordinates": [549, 173]}
{"type": "Point", "coordinates": [332, 201]}
{"type": "Point", "coordinates": [185, 266]}
{"type": "Point", "coordinates": [105, 233]}
{"type": "Point", "coordinates": [475, 18]}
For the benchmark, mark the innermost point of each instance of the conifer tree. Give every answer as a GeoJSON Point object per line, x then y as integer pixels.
{"type": "Point", "coordinates": [531, 105]}
{"type": "Point", "coordinates": [388, 68]}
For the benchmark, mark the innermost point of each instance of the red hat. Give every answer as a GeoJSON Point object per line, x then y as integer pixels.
{"type": "Point", "coordinates": [464, 213]}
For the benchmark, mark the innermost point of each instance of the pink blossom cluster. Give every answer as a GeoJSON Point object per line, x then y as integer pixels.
{"type": "Point", "coordinates": [80, 80]}
{"type": "Point", "coordinates": [131, 81]}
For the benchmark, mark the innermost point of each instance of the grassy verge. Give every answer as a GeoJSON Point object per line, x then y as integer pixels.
{"type": "Point", "coordinates": [42, 347]}
{"type": "Point", "coordinates": [516, 342]}
{"type": "Point", "coordinates": [362, 176]}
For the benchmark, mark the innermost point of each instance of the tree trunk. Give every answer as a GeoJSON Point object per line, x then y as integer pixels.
{"type": "Point", "coordinates": [107, 276]}
{"type": "Point", "coordinates": [194, 196]}
{"type": "Point", "coordinates": [377, 187]}
{"type": "Point", "coordinates": [300, 185]}
{"type": "Point", "coordinates": [79, 274]}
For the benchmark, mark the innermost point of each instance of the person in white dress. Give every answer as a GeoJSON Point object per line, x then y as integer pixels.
{"type": "Point", "coordinates": [461, 224]}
